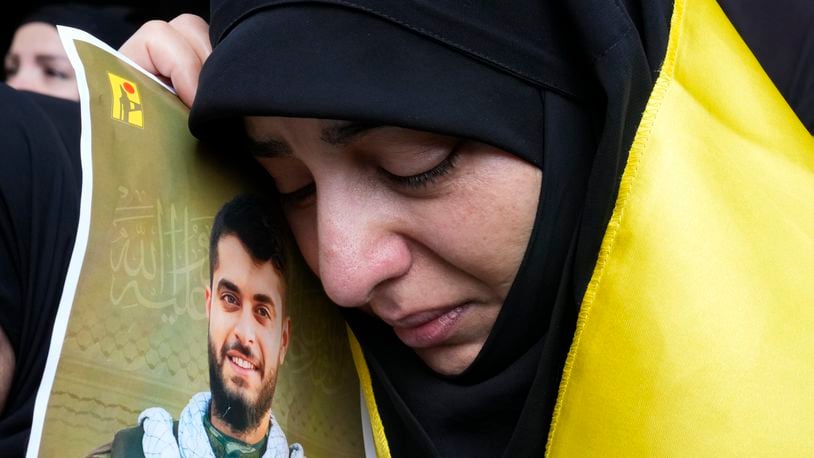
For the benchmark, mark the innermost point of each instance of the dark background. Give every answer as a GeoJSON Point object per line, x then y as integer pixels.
{"type": "Point", "coordinates": [144, 11]}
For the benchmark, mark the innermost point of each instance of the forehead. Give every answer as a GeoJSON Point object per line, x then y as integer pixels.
{"type": "Point", "coordinates": [332, 131]}
{"type": "Point", "coordinates": [236, 265]}
{"type": "Point", "coordinates": [37, 37]}
{"type": "Point", "coordinates": [271, 137]}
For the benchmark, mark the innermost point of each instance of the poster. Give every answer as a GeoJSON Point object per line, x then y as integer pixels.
{"type": "Point", "coordinates": [132, 328]}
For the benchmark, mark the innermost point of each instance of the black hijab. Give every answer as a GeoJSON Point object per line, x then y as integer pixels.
{"type": "Point", "coordinates": [560, 85]}
{"type": "Point", "coordinates": [40, 181]}
{"type": "Point", "coordinates": [111, 24]}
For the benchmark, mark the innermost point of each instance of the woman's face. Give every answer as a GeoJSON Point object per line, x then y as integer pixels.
{"type": "Point", "coordinates": [424, 231]}
{"type": "Point", "coordinates": [37, 62]}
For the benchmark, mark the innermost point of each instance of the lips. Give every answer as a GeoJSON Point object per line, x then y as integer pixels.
{"type": "Point", "coordinates": [427, 329]}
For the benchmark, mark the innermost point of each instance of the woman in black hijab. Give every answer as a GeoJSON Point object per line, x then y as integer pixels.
{"type": "Point", "coordinates": [39, 210]}
{"type": "Point", "coordinates": [36, 60]}
{"type": "Point", "coordinates": [546, 96]}
{"type": "Point", "coordinates": [40, 184]}
{"type": "Point", "coordinates": [510, 76]}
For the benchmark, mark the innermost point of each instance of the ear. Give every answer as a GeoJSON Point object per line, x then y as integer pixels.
{"type": "Point", "coordinates": [208, 294]}
{"type": "Point", "coordinates": [285, 334]}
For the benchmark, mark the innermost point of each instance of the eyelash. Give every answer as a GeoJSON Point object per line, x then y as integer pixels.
{"type": "Point", "coordinates": [298, 196]}
{"type": "Point", "coordinates": [413, 181]}
{"type": "Point", "coordinates": [430, 176]}
{"type": "Point", "coordinates": [53, 73]}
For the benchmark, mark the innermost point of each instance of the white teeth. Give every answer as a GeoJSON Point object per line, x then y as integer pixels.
{"type": "Point", "coordinates": [242, 363]}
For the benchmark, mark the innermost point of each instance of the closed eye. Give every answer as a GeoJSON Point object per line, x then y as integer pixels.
{"type": "Point", "coordinates": [54, 73]}
{"type": "Point", "coordinates": [428, 177]}
{"type": "Point", "coordinates": [299, 196]}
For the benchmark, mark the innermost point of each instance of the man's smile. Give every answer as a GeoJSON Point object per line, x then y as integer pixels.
{"type": "Point", "coordinates": [242, 362]}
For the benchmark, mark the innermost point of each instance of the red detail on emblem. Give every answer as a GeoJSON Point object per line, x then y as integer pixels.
{"type": "Point", "coordinates": [129, 88]}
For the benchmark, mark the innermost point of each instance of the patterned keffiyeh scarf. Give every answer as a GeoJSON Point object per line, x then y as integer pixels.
{"type": "Point", "coordinates": [193, 442]}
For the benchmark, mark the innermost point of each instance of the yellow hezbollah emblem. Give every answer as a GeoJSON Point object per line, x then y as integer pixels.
{"type": "Point", "coordinates": [126, 101]}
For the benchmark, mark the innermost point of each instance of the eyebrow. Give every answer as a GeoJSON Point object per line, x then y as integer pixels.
{"type": "Point", "coordinates": [346, 132]}
{"type": "Point", "coordinates": [337, 135]}
{"type": "Point", "coordinates": [263, 298]}
{"type": "Point", "coordinates": [268, 148]}
{"type": "Point", "coordinates": [48, 58]}
{"type": "Point", "coordinates": [39, 58]}
{"type": "Point", "coordinates": [226, 284]}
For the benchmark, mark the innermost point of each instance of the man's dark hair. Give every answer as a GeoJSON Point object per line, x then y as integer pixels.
{"type": "Point", "coordinates": [254, 221]}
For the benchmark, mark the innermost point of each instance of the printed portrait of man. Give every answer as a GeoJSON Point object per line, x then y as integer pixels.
{"type": "Point", "coordinates": [249, 333]}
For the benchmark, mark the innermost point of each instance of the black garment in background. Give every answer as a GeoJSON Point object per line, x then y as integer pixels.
{"type": "Point", "coordinates": [40, 179]}
{"type": "Point", "coordinates": [780, 34]}
{"type": "Point", "coordinates": [111, 24]}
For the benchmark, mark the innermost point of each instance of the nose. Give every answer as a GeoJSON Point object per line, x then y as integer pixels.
{"type": "Point", "coordinates": [244, 329]}
{"type": "Point", "coordinates": [361, 243]}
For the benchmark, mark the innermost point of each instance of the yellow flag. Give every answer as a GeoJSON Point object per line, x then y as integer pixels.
{"type": "Point", "coordinates": [126, 101]}
{"type": "Point", "coordinates": [696, 333]}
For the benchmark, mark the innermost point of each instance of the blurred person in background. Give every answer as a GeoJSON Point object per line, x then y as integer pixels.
{"type": "Point", "coordinates": [40, 184]}
{"type": "Point", "coordinates": [36, 60]}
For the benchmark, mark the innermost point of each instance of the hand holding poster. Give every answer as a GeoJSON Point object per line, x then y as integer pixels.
{"type": "Point", "coordinates": [170, 334]}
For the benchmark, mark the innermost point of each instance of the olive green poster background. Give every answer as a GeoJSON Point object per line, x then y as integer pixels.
{"type": "Point", "coordinates": [137, 333]}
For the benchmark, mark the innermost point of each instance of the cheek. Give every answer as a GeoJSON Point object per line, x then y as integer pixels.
{"type": "Point", "coordinates": [27, 76]}
{"type": "Point", "coordinates": [216, 339]}
{"type": "Point", "coordinates": [220, 324]}
{"type": "Point", "coordinates": [67, 90]}
{"type": "Point", "coordinates": [487, 219]}
{"type": "Point", "coordinates": [67, 85]}
{"type": "Point", "coordinates": [269, 349]}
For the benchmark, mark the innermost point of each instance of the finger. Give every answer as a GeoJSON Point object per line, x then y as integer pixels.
{"type": "Point", "coordinates": [196, 32]}
{"type": "Point", "coordinates": [162, 50]}
{"type": "Point", "coordinates": [136, 46]}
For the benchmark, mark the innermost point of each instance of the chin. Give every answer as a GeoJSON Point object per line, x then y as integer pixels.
{"type": "Point", "coordinates": [449, 361]}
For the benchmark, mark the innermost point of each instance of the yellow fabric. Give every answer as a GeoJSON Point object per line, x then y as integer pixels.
{"type": "Point", "coordinates": [696, 334]}
{"type": "Point", "coordinates": [379, 438]}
